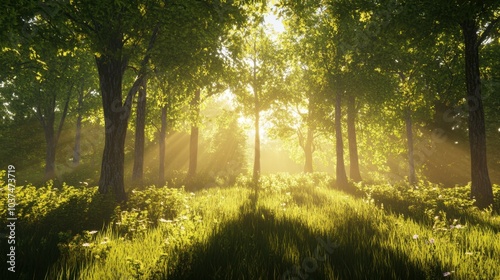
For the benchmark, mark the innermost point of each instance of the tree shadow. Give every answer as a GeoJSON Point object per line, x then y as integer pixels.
{"type": "Point", "coordinates": [258, 245]}
{"type": "Point", "coordinates": [417, 212]}
{"type": "Point", "coordinates": [37, 242]}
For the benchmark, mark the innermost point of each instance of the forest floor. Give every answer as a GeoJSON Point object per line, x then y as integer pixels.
{"type": "Point", "coordinates": [293, 227]}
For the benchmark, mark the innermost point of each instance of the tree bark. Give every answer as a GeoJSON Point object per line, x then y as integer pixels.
{"type": "Point", "coordinates": [47, 120]}
{"type": "Point", "coordinates": [256, 162]}
{"type": "Point", "coordinates": [140, 125]}
{"type": "Point", "coordinates": [111, 65]}
{"type": "Point", "coordinates": [341, 176]}
{"type": "Point", "coordinates": [50, 151]}
{"type": "Point", "coordinates": [78, 132]}
{"type": "Point", "coordinates": [116, 114]}
{"type": "Point", "coordinates": [481, 188]}
{"type": "Point", "coordinates": [412, 178]}
{"type": "Point", "coordinates": [193, 142]}
{"type": "Point", "coordinates": [353, 144]}
{"type": "Point", "coordinates": [163, 134]}
{"type": "Point", "coordinates": [308, 150]}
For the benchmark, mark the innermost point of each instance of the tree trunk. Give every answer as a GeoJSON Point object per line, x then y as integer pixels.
{"type": "Point", "coordinates": [163, 134]}
{"type": "Point", "coordinates": [481, 188]}
{"type": "Point", "coordinates": [193, 142]}
{"type": "Point", "coordinates": [50, 151]}
{"type": "Point", "coordinates": [412, 178]}
{"type": "Point", "coordinates": [77, 147]}
{"type": "Point", "coordinates": [116, 115]}
{"type": "Point", "coordinates": [353, 145]}
{"type": "Point", "coordinates": [308, 151]}
{"type": "Point", "coordinates": [256, 162]}
{"type": "Point", "coordinates": [341, 176]}
{"type": "Point", "coordinates": [140, 125]}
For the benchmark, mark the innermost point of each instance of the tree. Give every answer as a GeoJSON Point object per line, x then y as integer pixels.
{"type": "Point", "coordinates": [42, 80]}
{"type": "Point", "coordinates": [478, 21]}
{"type": "Point", "coordinates": [120, 33]}
{"type": "Point", "coordinates": [258, 73]}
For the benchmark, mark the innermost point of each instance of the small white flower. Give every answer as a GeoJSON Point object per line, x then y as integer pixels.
{"type": "Point", "coordinates": [86, 244]}
{"type": "Point", "coordinates": [415, 236]}
{"type": "Point", "coordinates": [459, 226]}
{"type": "Point", "coordinates": [93, 232]}
{"type": "Point", "coordinates": [431, 240]}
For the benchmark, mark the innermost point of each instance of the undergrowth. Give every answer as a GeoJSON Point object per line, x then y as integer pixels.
{"type": "Point", "coordinates": [290, 227]}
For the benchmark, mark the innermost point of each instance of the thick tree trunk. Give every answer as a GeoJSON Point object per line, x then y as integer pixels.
{"type": "Point", "coordinates": [115, 119]}
{"type": "Point", "coordinates": [481, 188]}
{"type": "Point", "coordinates": [140, 125]}
{"type": "Point", "coordinates": [163, 134]}
{"type": "Point", "coordinates": [341, 176]}
{"type": "Point", "coordinates": [412, 178]}
{"type": "Point", "coordinates": [193, 142]}
{"type": "Point", "coordinates": [353, 144]}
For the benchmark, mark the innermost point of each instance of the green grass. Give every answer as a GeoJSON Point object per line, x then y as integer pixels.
{"type": "Point", "coordinates": [295, 227]}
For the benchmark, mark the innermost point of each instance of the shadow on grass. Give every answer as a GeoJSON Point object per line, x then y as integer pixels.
{"type": "Point", "coordinates": [258, 245]}
{"type": "Point", "coordinates": [36, 243]}
{"type": "Point", "coordinates": [417, 211]}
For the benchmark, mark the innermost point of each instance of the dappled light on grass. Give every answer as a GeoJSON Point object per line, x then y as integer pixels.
{"type": "Point", "coordinates": [297, 225]}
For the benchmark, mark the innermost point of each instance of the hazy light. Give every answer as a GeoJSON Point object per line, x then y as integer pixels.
{"type": "Point", "coordinates": [275, 24]}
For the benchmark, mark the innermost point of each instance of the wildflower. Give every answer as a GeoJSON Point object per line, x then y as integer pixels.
{"type": "Point", "coordinates": [431, 240]}
{"type": "Point", "coordinates": [86, 244]}
{"type": "Point", "coordinates": [436, 218]}
{"type": "Point", "coordinates": [93, 232]}
{"type": "Point", "coordinates": [448, 273]}
{"type": "Point", "coordinates": [415, 236]}
{"type": "Point", "coordinates": [459, 226]}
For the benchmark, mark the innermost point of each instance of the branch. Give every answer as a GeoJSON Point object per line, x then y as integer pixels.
{"type": "Point", "coordinates": [64, 114]}
{"type": "Point", "coordinates": [487, 31]}
{"type": "Point", "coordinates": [142, 74]}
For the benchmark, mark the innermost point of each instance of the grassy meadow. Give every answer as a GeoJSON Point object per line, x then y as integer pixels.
{"type": "Point", "coordinates": [289, 227]}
